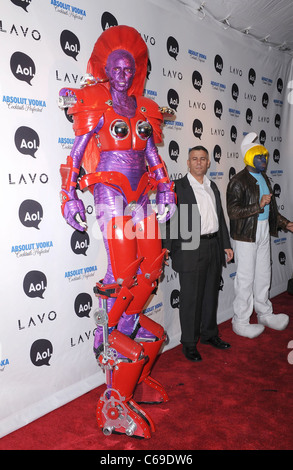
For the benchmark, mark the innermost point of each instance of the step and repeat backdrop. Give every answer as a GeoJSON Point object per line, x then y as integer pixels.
{"type": "Point", "coordinates": [221, 85]}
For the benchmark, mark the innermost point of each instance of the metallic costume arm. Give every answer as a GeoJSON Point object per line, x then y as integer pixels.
{"type": "Point", "coordinates": [166, 197]}
{"type": "Point", "coordinates": [71, 206]}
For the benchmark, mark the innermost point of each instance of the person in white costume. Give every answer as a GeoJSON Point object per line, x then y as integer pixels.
{"type": "Point", "coordinates": [254, 216]}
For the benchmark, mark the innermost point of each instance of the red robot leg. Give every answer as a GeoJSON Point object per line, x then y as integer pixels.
{"type": "Point", "coordinates": [149, 247]}
{"type": "Point", "coordinates": [124, 363]}
{"type": "Point", "coordinates": [116, 410]}
{"type": "Point", "coordinates": [151, 350]}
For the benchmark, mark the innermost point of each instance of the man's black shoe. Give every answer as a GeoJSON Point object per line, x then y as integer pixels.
{"type": "Point", "coordinates": [217, 343]}
{"type": "Point", "coordinates": [191, 353]}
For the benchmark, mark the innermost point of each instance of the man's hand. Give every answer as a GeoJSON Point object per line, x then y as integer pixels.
{"type": "Point", "coordinates": [265, 200]}
{"type": "Point", "coordinates": [289, 226]}
{"type": "Point", "coordinates": [229, 254]}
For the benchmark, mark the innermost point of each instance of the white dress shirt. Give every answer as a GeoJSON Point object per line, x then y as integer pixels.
{"type": "Point", "coordinates": [206, 202]}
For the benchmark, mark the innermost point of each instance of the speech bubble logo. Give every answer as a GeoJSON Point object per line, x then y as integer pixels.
{"type": "Point", "coordinates": [172, 47]}
{"type": "Point", "coordinates": [217, 153]}
{"type": "Point", "coordinates": [282, 258]}
{"type": "Point", "coordinates": [26, 141]}
{"type": "Point", "coordinates": [278, 121]}
{"type": "Point", "coordinates": [83, 304]}
{"type": "Point", "coordinates": [232, 172]}
{"type": "Point", "coordinates": [233, 134]}
{"type": "Point", "coordinates": [41, 352]}
{"type": "Point", "coordinates": [276, 156]}
{"type": "Point", "coordinates": [149, 69]}
{"type": "Point", "coordinates": [265, 100]}
{"type": "Point", "coordinates": [22, 67]}
{"type": "Point", "coordinates": [235, 91]}
{"type": "Point", "coordinates": [277, 190]}
{"type": "Point", "coordinates": [251, 76]}
{"type": "Point", "coordinates": [262, 137]}
{"type": "Point", "coordinates": [249, 116]}
{"type": "Point", "coordinates": [174, 150]}
{"type": "Point", "coordinates": [197, 128]}
{"type": "Point", "coordinates": [22, 4]}
{"type": "Point", "coordinates": [80, 242]}
{"type": "Point", "coordinates": [30, 213]}
{"type": "Point", "coordinates": [174, 298]}
{"type": "Point", "coordinates": [69, 117]}
{"type": "Point", "coordinates": [69, 43]}
{"type": "Point", "coordinates": [197, 80]}
{"type": "Point", "coordinates": [218, 109]}
{"type": "Point", "coordinates": [280, 85]}
{"type": "Point", "coordinates": [35, 284]}
{"type": "Point", "coordinates": [173, 99]}
{"type": "Point", "coordinates": [108, 20]}
{"type": "Point", "coordinates": [219, 64]}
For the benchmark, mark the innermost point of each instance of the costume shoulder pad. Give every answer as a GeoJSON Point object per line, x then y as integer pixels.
{"type": "Point", "coordinates": [86, 105]}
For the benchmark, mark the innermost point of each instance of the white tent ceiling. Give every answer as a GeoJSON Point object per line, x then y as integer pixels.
{"type": "Point", "coordinates": [270, 21]}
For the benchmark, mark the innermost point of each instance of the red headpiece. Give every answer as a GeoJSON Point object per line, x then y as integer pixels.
{"type": "Point", "coordinates": [128, 39]}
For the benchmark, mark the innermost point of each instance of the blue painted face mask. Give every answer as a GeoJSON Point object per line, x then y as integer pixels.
{"type": "Point", "coordinates": [260, 162]}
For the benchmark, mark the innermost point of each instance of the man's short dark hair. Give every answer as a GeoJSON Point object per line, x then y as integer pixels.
{"type": "Point", "coordinates": [198, 147]}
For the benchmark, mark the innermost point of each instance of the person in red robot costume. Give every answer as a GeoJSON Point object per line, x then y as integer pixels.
{"type": "Point", "coordinates": [116, 132]}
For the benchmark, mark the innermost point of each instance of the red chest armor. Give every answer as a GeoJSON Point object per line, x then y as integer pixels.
{"type": "Point", "coordinates": [121, 133]}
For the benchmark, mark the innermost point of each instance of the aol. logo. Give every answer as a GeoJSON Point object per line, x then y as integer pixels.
{"type": "Point", "coordinates": [290, 94]}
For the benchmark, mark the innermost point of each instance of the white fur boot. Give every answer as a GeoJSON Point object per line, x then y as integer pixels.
{"type": "Point", "coordinates": [248, 330]}
{"type": "Point", "coordinates": [275, 321]}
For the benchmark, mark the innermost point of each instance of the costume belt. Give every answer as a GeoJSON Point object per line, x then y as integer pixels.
{"type": "Point", "coordinates": [119, 181]}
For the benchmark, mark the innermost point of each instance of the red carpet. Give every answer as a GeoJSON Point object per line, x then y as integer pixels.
{"type": "Point", "coordinates": [240, 399]}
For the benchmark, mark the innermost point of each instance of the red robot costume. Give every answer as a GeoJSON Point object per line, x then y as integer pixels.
{"type": "Point", "coordinates": [116, 130]}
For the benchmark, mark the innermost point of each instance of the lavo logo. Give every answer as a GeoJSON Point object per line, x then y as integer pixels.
{"type": "Point", "coordinates": [22, 67]}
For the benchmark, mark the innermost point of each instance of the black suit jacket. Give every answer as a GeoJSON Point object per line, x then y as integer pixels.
{"type": "Point", "coordinates": [183, 259]}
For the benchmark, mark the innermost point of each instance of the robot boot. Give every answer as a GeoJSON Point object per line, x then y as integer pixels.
{"type": "Point", "coordinates": [117, 412]}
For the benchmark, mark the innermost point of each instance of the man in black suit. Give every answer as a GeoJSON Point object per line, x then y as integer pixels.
{"type": "Point", "coordinates": [199, 259]}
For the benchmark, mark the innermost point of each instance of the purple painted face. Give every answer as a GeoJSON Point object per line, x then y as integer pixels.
{"type": "Point", "coordinates": [260, 163]}
{"type": "Point", "coordinates": [120, 70]}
